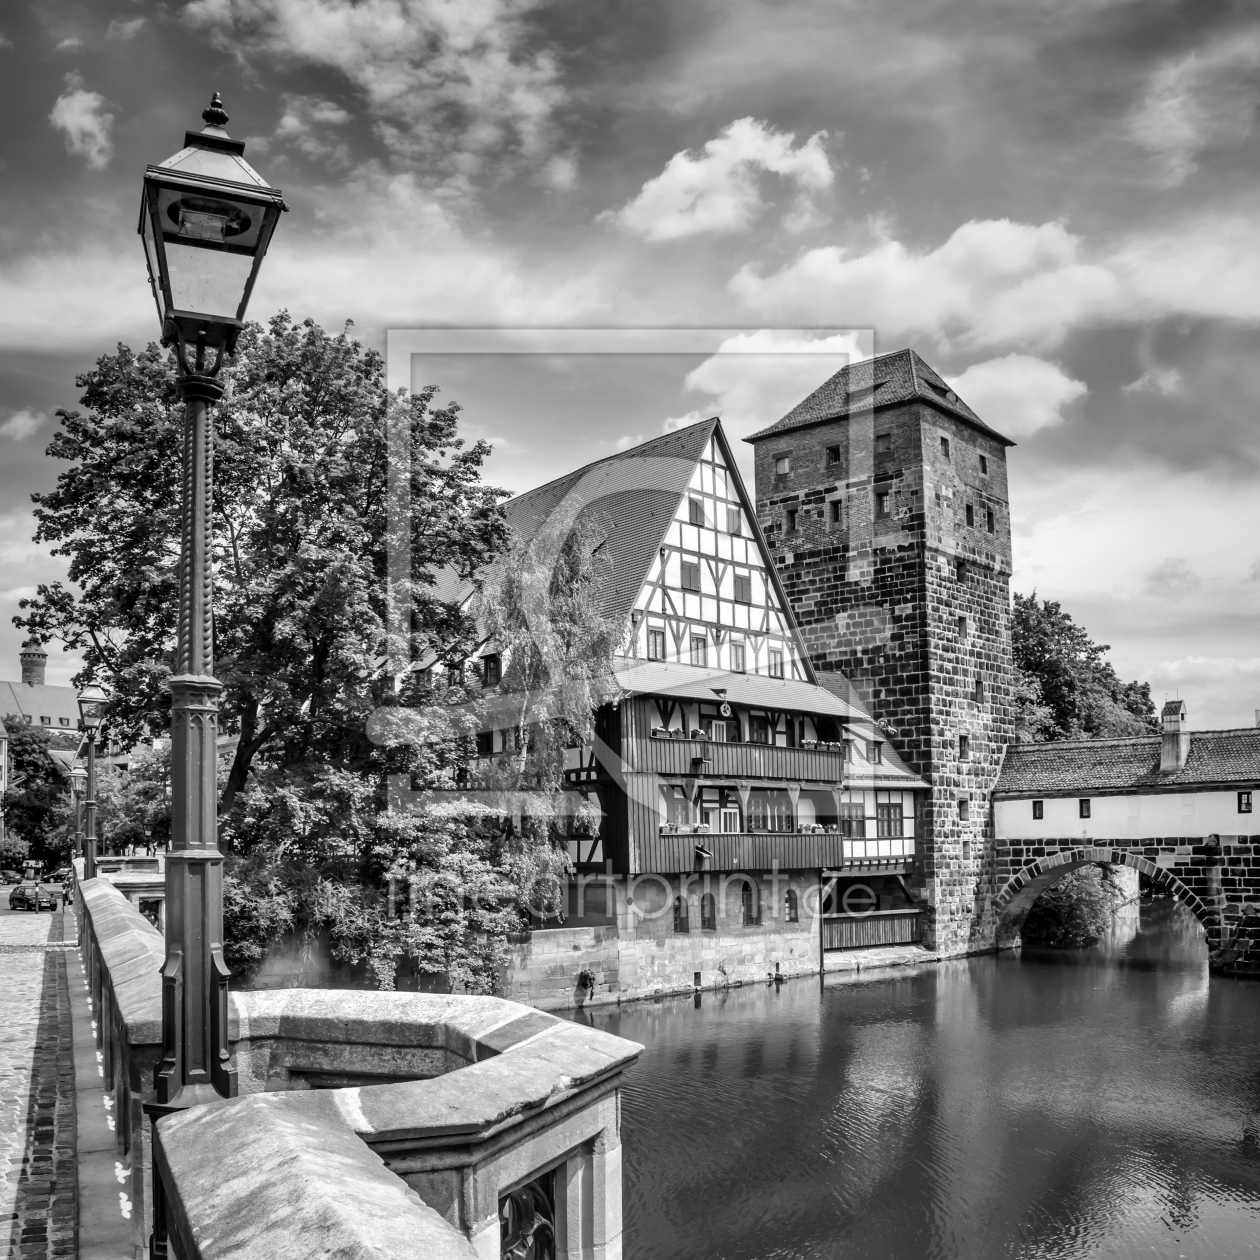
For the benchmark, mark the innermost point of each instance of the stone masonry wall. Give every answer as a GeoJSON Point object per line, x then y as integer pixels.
{"type": "Point", "coordinates": [879, 597]}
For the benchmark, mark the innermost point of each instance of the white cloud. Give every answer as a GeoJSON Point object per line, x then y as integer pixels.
{"type": "Point", "coordinates": [627, 440]}
{"type": "Point", "coordinates": [992, 281]}
{"type": "Point", "coordinates": [1220, 691]}
{"type": "Point", "coordinates": [304, 125]}
{"type": "Point", "coordinates": [1172, 576]}
{"type": "Point", "coordinates": [69, 44]}
{"type": "Point", "coordinates": [674, 423]}
{"type": "Point", "coordinates": [119, 29]}
{"type": "Point", "coordinates": [718, 189]}
{"type": "Point", "coordinates": [81, 115]}
{"type": "Point", "coordinates": [1018, 394]}
{"type": "Point", "coordinates": [442, 79]}
{"type": "Point", "coordinates": [1199, 100]}
{"type": "Point", "coordinates": [21, 424]}
{"type": "Point", "coordinates": [1164, 381]}
{"type": "Point", "coordinates": [5, 43]}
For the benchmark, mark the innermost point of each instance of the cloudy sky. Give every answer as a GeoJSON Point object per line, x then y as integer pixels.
{"type": "Point", "coordinates": [1052, 200]}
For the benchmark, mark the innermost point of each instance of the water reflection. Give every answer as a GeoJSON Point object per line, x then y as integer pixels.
{"type": "Point", "coordinates": [1062, 1105]}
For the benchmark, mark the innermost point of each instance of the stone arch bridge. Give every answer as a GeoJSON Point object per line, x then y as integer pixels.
{"type": "Point", "coordinates": [1217, 877]}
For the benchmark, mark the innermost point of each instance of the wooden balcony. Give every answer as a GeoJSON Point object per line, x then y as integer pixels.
{"type": "Point", "coordinates": [671, 853]}
{"type": "Point", "coordinates": [715, 759]}
{"type": "Point", "coordinates": [881, 927]}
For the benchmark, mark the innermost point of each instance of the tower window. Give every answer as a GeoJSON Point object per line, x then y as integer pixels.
{"type": "Point", "coordinates": [782, 465]}
{"type": "Point", "coordinates": [945, 447]}
{"type": "Point", "coordinates": [695, 511]}
{"type": "Point", "coordinates": [656, 645]}
{"type": "Point", "coordinates": [979, 691]}
{"type": "Point", "coordinates": [960, 570]}
{"type": "Point", "coordinates": [964, 748]}
{"type": "Point", "coordinates": [984, 466]}
{"type": "Point", "coordinates": [699, 650]}
{"type": "Point", "coordinates": [964, 809]}
{"type": "Point", "coordinates": [791, 520]}
{"type": "Point", "coordinates": [690, 576]}
{"type": "Point", "coordinates": [962, 627]}
{"type": "Point", "coordinates": [776, 663]}
{"type": "Point", "coordinates": [1039, 809]}
{"type": "Point", "coordinates": [836, 511]}
{"type": "Point", "coordinates": [883, 502]}
{"type": "Point", "coordinates": [743, 588]}
{"type": "Point", "coordinates": [966, 847]}
{"type": "Point", "coordinates": [883, 444]}
{"type": "Point", "coordinates": [971, 515]}
{"type": "Point", "coordinates": [737, 658]}
{"type": "Point", "coordinates": [1084, 807]}
{"type": "Point", "coordinates": [833, 454]}
{"type": "Point", "coordinates": [988, 519]}
{"type": "Point", "coordinates": [734, 521]}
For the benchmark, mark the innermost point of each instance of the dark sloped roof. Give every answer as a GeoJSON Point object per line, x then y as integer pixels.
{"type": "Point", "coordinates": [889, 378]}
{"type": "Point", "coordinates": [41, 701]}
{"type": "Point", "coordinates": [1083, 766]}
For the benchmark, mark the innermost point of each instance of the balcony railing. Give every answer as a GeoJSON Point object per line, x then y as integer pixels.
{"type": "Point", "coordinates": [737, 761]}
{"type": "Point", "coordinates": [674, 852]}
{"type": "Point", "coordinates": [882, 927]}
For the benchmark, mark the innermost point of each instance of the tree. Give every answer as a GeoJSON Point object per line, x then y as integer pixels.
{"type": "Point", "coordinates": [1074, 912]}
{"type": "Point", "coordinates": [38, 796]}
{"type": "Point", "coordinates": [1065, 686]}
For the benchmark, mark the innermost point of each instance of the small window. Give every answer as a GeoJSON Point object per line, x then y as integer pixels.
{"type": "Point", "coordinates": [690, 576]}
{"type": "Point", "coordinates": [656, 645]}
{"type": "Point", "coordinates": [875, 752]}
{"type": "Point", "coordinates": [964, 747]}
{"type": "Point", "coordinates": [988, 519]}
{"type": "Point", "coordinates": [782, 465]}
{"type": "Point", "coordinates": [962, 627]}
{"type": "Point", "coordinates": [883, 504]}
{"type": "Point", "coordinates": [743, 588]}
{"type": "Point", "coordinates": [758, 729]}
{"type": "Point", "coordinates": [1039, 810]}
{"type": "Point", "coordinates": [791, 906]}
{"type": "Point", "coordinates": [680, 915]}
{"type": "Point", "coordinates": [737, 658]}
{"type": "Point", "coordinates": [45, 721]}
{"type": "Point", "coordinates": [833, 454]}
{"type": "Point", "coordinates": [883, 444]}
{"type": "Point", "coordinates": [964, 809]}
{"type": "Point", "coordinates": [1244, 802]}
{"type": "Point", "coordinates": [749, 904]}
{"type": "Point", "coordinates": [1084, 804]}
{"type": "Point", "coordinates": [971, 515]}
{"type": "Point", "coordinates": [695, 512]}
{"type": "Point", "coordinates": [790, 518]}
{"type": "Point", "coordinates": [485, 743]}
{"type": "Point", "coordinates": [776, 663]}
{"type": "Point", "coordinates": [491, 669]}
{"type": "Point", "coordinates": [945, 447]}
{"type": "Point", "coordinates": [966, 850]}
{"type": "Point", "coordinates": [708, 913]}
{"type": "Point", "coordinates": [734, 521]}
{"type": "Point", "coordinates": [846, 750]}
{"type": "Point", "coordinates": [960, 570]}
{"type": "Point", "coordinates": [699, 650]}
{"type": "Point", "coordinates": [984, 466]}
{"type": "Point", "coordinates": [978, 693]}
{"type": "Point", "coordinates": [836, 511]}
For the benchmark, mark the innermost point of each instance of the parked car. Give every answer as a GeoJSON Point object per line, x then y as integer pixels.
{"type": "Point", "coordinates": [31, 897]}
{"type": "Point", "coordinates": [10, 877]}
{"type": "Point", "coordinates": [62, 875]}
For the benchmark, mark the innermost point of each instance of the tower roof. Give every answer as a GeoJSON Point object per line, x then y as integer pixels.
{"type": "Point", "coordinates": [900, 377]}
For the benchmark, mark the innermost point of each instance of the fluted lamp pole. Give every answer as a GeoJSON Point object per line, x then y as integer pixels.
{"type": "Point", "coordinates": [206, 219]}
{"type": "Point", "coordinates": [92, 702]}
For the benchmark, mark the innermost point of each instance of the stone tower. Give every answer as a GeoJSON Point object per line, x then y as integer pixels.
{"type": "Point", "coordinates": [34, 662]}
{"type": "Point", "coordinates": [883, 497]}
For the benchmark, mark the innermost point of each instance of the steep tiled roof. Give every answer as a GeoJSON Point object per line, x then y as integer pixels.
{"type": "Point", "coordinates": [1084, 766]}
{"type": "Point", "coordinates": [889, 378]}
{"type": "Point", "coordinates": [54, 703]}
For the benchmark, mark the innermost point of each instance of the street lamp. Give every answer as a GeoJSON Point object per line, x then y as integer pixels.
{"type": "Point", "coordinates": [92, 701]}
{"type": "Point", "coordinates": [78, 781]}
{"type": "Point", "coordinates": [206, 219]}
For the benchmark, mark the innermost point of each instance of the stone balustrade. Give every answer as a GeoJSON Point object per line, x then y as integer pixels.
{"type": "Point", "coordinates": [381, 1124]}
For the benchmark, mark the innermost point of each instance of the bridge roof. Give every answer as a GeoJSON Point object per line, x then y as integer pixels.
{"type": "Point", "coordinates": [1083, 767]}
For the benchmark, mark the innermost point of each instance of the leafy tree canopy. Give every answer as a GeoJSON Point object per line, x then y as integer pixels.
{"type": "Point", "coordinates": [38, 793]}
{"type": "Point", "coordinates": [1065, 687]}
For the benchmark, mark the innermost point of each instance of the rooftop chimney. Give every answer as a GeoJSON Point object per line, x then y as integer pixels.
{"type": "Point", "coordinates": [34, 661]}
{"type": "Point", "coordinates": [1176, 747]}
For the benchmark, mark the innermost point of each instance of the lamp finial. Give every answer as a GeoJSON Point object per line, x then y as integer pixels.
{"type": "Point", "coordinates": [215, 115]}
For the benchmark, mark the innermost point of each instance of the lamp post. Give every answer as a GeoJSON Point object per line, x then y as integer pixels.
{"type": "Point", "coordinates": [78, 781]}
{"type": "Point", "coordinates": [206, 219]}
{"type": "Point", "coordinates": [92, 702]}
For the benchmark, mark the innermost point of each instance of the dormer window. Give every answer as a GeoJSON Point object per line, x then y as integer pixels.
{"type": "Point", "coordinates": [875, 752]}
{"type": "Point", "coordinates": [491, 669]}
{"type": "Point", "coordinates": [45, 721]}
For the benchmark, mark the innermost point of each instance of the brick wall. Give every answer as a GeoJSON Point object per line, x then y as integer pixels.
{"type": "Point", "coordinates": [875, 586]}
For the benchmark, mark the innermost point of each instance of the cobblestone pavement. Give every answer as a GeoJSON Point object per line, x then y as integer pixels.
{"type": "Point", "coordinates": [37, 1119]}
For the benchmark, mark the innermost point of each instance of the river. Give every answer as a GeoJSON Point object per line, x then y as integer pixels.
{"type": "Point", "coordinates": [1100, 1103]}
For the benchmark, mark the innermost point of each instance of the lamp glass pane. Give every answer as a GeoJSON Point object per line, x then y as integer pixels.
{"type": "Point", "coordinates": [207, 281]}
